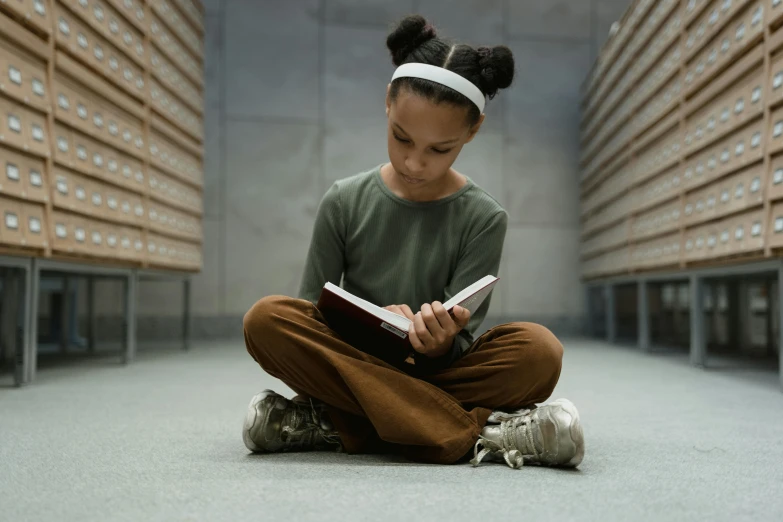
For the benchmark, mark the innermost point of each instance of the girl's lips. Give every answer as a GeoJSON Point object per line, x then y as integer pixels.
{"type": "Point", "coordinates": [412, 181]}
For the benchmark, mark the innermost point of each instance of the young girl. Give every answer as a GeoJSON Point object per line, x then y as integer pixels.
{"type": "Point", "coordinates": [409, 234]}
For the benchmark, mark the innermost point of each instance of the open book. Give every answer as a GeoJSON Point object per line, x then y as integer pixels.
{"type": "Point", "coordinates": [380, 332]}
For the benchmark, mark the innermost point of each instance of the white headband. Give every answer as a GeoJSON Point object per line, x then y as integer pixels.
{"type": "Point", "coordinates": [443, 77]}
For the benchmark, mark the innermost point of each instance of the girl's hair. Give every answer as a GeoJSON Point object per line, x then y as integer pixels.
{"type": "Point", "coordinates": [414, 41]}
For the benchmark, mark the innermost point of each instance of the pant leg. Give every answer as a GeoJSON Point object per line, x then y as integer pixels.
{"type": "Point", "coordinates": [368, 399]}
{"type": "Point", "coordinates": [511, 366]}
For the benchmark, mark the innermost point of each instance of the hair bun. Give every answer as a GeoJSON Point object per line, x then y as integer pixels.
{"type": "Point", "coordinates": [497, 68]}
{"type": "Point", "coordinates": [410, 33]}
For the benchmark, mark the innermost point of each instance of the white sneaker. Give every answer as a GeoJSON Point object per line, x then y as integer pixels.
{"type": "Point", "coordinates": [550, 435]}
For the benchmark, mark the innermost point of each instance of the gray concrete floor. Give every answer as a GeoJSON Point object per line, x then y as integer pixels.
{"type": "Point", "coordinates": [160, 440]}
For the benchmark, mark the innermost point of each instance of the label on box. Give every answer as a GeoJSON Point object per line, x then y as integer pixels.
{"type": "Point", "coordinates": [688, 209]}
{"type": "Point", "coordinates": [757, 15]}
{"type": "Point", "coordinates": [114, 64]}
{"type": "Point", "coordinates": [712, 163]}
{"type": "Point", "coordinates": [740, 33]}
{"type": "Point", "coordinates": [11, 220]}
{"type": "Point", "coordinates": [139, 82]}
{"type": "Point", "coordinates": [712, 241]}
{"type": "Point", "coordinates": [98, 52]}
{"type": "Point", "coordinates": [97, 199]}
{"type": "Point", "coordinates": [36, 179]}
{"type": "Point", "coordinates": [113, 27]}
{"type": "Point", "coordinates": [699, 206]}
{"type": "Point", "coordinates": [726, 5]}
{"type": "Point", "coordinates": [62, 186]}
{"type": "Point", "coordinates": [81, 152]}
{"type": "Point", "coordinates": [725, 45]}
{"type": "Point", "coordinates": [113, 165]}
{"type": "Point", "coordinates": [62, 101]}
{"type": "Point", "coordinates": [138, 245]}
{"type": "Point", "coordinates": [756, 96]}
{"type": "Point", "coordinates": [779, 224]}
{"type": "Point", "coordinates": [711, 124]}
{"type": "Point", "coordinates": [113, 129]}
{"type": "Point", "coordinates": [80, 235]}
{"type": "Point", "coordinates": [724, 117]}
{"type": "Point", "coordinates": [64, 27]}
{"type": "Point", "coordinates": [35, 225]}
{"type": "Point", "coordinates": [714, 17]}
{"type": "Point", "coordinates": [98, 11]}
{"type": "Point", "coordinates": [81, 194]}
{"type": "Point", "coordinates": [126, 171]}
{"type": "Point", "coordinates": [139, 142]}
{"type": "Point", "coordinates": [97, 160]}
{"type": "Point", "coordinates": [699, 242]}
{"type": "Point", "coordinates": [62, 144]}
{"type": "Point", "coordinates": [97, 238]}
{"type": "Point", "coordinates": [778, 177]}
{"type": "Point", "coordinates": [111, 201]}
{"type": "Point", "coordinates": [127, 74]}
{"type": "Point", "coordinates": [139, 49]}
{"type": "Point", "coordinates": [739, 191]}
{"type": "Point", "coordinates": [127, 38]}
{"type": "Point", "coordinates": [12, 171]}
{"type": "Point", "coordinates": [756, 229]}
{"type": "Point", "coordinates": [126, 207]}
{"type": "Point", "coordinates": [15, 75]}
{"type": "Point", "coordinates": [38, 134]}
{"type": "Point", "coordinates": [724, 237]}
{"type": "Point", "coordinates": [740, 232]}
{"type": "Point", "coordinates": [97, 119]}
{"type": "Point", "coordinates": [82, 41]}
{"type": "Point", "coordinates": [755, 185]}
{"type": "Point", "coordinates": [755, 141]}
{"type": "Point", "coordinates": [111, 240]}
{"type": "Point", "coordinates": [724, 197]}
{"type": "Point", "coordinates": [125, 242]}
{"type": "Point", "coordinates": [151, 247]}
{"type": "Point", "coordinates": [139, 210]}
{"type": "Point", "coordinates": [724, 157]}
{"type": "Point", "coordinates": [739, 149]}
{"type": "Point", "coordinates": [126, 135]}
{"type": "Point", "coordinates": [60, 230]}
{"type": "Point", "coordinates": [39, 7]}
{"type": "Point", "coordinates": [14, 123]}
{"type": "Point", "coordinates": [778, 80]}
{"type": "Point", "coordinates": [139, 176]}
{"type": "Point", "coordinates": [710, 201]}
{"type": "Point", "coordinates": [713, 57]}
{"type": "Point", "coordinates": [739, 106]}
{"type": "Point", "coordinates": [81, 110]}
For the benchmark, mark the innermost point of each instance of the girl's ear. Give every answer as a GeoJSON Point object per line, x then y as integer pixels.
{"type": "Point", "coordinates": [474, 129]}
{"type": "Point", "coordinates": [388, 100]}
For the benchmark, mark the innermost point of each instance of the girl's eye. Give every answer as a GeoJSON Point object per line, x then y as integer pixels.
{"type": "Point", "coordinates": [400, 139]}
{"type": "Point", "coordinates": [441, 151]}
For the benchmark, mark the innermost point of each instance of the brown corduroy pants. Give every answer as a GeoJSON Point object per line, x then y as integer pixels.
{"type": "Point", "coordinates": [377, 408]}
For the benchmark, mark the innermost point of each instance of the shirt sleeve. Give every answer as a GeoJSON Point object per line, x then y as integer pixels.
{"type": "Point", "coordinates": [326, 254]}
{"type": "Point", "coordinates": [481, 257]}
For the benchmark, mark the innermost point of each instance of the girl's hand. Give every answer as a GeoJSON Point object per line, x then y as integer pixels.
{"type": "Point", "coordinates": [403, 310]}
{"type": "Point", "coordinates": [433, 330]}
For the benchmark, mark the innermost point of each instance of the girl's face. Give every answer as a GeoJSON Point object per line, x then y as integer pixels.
{"type": "Point", "coordinates": [425, 139]}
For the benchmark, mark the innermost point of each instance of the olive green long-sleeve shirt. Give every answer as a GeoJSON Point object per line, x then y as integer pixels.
{"type": "Point", "coordinates": [390, 250]}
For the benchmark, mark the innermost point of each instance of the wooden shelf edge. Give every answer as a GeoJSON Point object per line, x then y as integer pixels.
{"type": "Point", "coordinates": [198, 54]}
{"type": "Point", "coordinates": [689, 153]}
{"type": "Point", "coordinates": [74, 168]}
{"type": "Point", "coordinates": [197, 81]}
{"type": "Point", "coordinates": [136, 155]}
{"type": "Point", "coordinates": [732, 73]}
{"type": "Point", "coordinates": [23, 37]}
{"type": "Point", "coordinates": [198, 241]}
{"type": "Point", "coordinates": [163, 123]}
{"type": "Point", "coordinates": [177, 206]}
{"type": "Point", "coordinates": [749, 48]}
{"type": "Point", "coordinates": [89, 79]}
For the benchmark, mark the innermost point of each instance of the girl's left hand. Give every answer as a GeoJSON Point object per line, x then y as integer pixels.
{"type": "Point", "coordinates": [433, 330]}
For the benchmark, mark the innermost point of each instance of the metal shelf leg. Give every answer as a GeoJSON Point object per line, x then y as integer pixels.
{"type": "Point", "coordinates": [698, 353]}
{"type": "Point", "coordinates": [643, 314]}
{"type": "Point", "coordinates": [131, 289]}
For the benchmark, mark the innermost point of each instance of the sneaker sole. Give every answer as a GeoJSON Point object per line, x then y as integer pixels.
{"type": "Point", "coordinates": [250, 419]}
{"type": "Point", "coordinates": [576, 433]}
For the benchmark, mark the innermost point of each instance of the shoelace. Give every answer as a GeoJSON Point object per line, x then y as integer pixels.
{"type": "Point", "coordinates": [308, 431]}
{"type": "Point", "coordinates": [510, 424]}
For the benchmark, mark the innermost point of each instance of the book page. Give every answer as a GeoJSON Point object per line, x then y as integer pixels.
{"type": "Point", "coordinates": [396, 320]}
{"type": "Point", "coordinates": [472, 296]}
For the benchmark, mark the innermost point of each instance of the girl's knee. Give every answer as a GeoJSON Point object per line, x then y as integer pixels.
{"type": "Point", "coordinates": [262, 314]}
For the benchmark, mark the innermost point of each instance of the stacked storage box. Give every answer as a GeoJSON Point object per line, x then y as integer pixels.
{"type": "Point", "coordinates": [682, 138]}
{"type": "Point", "coordinates": [101, 142]}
